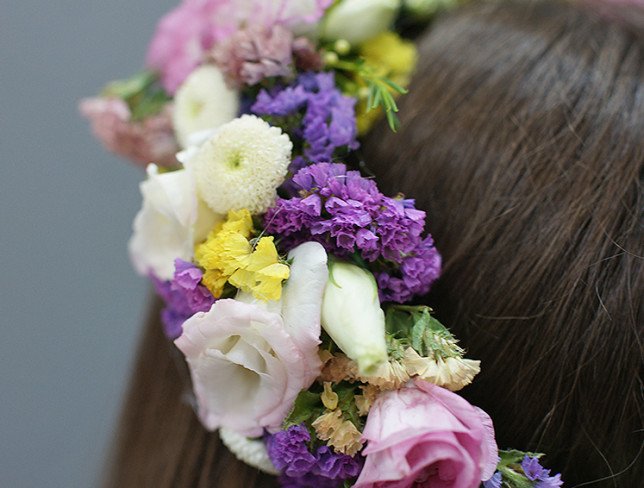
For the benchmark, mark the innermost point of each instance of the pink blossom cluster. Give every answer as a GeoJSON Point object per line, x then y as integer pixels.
{"type": "Point", "coordinates": [256, 53]}
{"type": "Point", "coordinates": [150, 140]}
{"type": "Point", "coordinates": [185, 35]}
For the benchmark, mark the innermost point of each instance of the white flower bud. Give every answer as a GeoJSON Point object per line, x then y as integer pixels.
{"type": "Point", "coordinates": [203, 102]}
{"type": "Point", "coordinates": [352, 316]}
{"type": "Point", "coordinates": [357, 21]}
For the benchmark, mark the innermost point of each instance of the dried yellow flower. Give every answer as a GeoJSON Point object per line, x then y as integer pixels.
{"type": "Point", "coordinates": [364, 401]}
{"type": "Point", "coordinates": [389, 376]}
{"type": "Point", "coordinates": [452, 373]}
{"type": "Point", "coordinates": [340, 434]}
{"type": "Point", "coordinates": [329, 397]}
{"type": "Point", "coordinates": [339, 368]}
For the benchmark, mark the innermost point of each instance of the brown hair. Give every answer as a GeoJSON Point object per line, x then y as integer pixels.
{"type": "Point", "coordinates": [160, 442]}
{"type": "Point", "coordinates": [522, 140]}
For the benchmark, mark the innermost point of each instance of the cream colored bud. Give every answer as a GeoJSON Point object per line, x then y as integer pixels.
{"type": "Point", "coordinates": [352, 316]}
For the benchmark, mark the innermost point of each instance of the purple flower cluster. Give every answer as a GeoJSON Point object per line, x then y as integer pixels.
{"type": "Point", "coordinates": [494, 481]}
{"type": "Point", "coordinates": [346, 213]}
{"type": "Point", "coordinates": [183, 297]}
{"type": "Point", "coordinates": [533, 471]}
{"type": "Point", "coordinates": [300, 468]}
{"type": "Point", "coordinates": [540, 475]}
{"type": "Point", "coordinates": [328, 117]}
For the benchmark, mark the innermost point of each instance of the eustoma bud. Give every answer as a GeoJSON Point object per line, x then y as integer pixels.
{"type": "Point", "coordinates": [376, 16]}
{"type": "Point", "coordinates": [352, 316]}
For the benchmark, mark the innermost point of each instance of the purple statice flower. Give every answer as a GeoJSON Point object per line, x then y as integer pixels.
{"type": "Point", "coordinates": [300, 468]}
{"type": "Point", "coordinates": [183, 296]}
{"type": "Point", "coordinates": [494, 481]}
{"type": "Point", "coordinates": [535, 472]}
{"type": "Point", "coordinates": [289, 452]}
{"type": "Point", "coordinates": [415, 275]}
{"type": "Point", "coordinates": [337, 466]}
{"type": "Point", "coordinates": [328, 119]}
{"type": "Point", "coordinates": [347, 214]}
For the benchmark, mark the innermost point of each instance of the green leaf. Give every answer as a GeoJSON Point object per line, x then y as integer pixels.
{"type": "Point", "coordinates": [514, 456]}
{"type": "Point", "coordinates": [142, 93]}
{"type": "Point", "coordinates": [308, 406]}
{"type": "Point", "coordinates": [149, 105]}
{"type": "Point", "coordinates": [130, 87]}
{"type": "Point", "coordinates": [426, 334]}
{"type": "Point", "coordinates": [395, 86]}
{"type": "Point", "coordinates": [347, 403]}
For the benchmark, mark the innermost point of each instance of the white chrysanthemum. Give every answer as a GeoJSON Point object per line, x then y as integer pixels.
{"type": "Point", "coordinates": [250, 451]}
{"type": "Point", "coordinates": [242, 165]}
{"type": "Point", "coordinates": [203, 102]}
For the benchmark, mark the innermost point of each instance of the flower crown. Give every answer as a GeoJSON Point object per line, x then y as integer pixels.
{"type": "Point", "coordinates": [287, 275]}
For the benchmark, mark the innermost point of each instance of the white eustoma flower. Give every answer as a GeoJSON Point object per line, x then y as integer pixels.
{"type": "Point", "coordinates": [352, 316]}
{"type": "Point", "coordinates": [203, 102]}
{"type": "Point", "coordinates": [171, 221]}
{"type": "Point", "coordinates": [242, 165]}
{"type": "Point", "coordinates": [249, 360]}
{"type": "Point", "coordinates": [359, 20]}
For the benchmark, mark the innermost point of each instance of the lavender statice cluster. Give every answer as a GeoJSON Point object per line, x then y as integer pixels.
{"type": "Point", "coordinates": [533, 471]}
{"type": "Point", "coordinates": [183, 297]}
{"type": "Point", "coordinates": [328, 119]}
{"type": "Point", "coordinates": [300, 468]}
{"type": "Point", "coordinates": [347, 214]}
{"type": "Point", "coordinates": [539, 475]}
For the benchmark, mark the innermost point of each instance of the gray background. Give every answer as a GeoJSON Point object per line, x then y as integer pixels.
{"type": "Point", "coordinates": [71, 308]}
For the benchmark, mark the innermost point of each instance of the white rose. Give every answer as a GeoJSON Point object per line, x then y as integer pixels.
{"type": "Point", "coordinates": [203, 102]}
{"type": "Point", "coordinates": [170, 223]}
{"type": "Point", "coordinates": [359, 20]}
{"type": "Point", "coordinates": [249, 360]}
{"type": "Point", "coordinates": [352, 316]}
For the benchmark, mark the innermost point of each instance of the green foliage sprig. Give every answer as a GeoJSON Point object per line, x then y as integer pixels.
{"type": "Point", "coordinates": [381, 88]}
{"type": "Point", "coordinates": [423, 331]}
{"type": "Point", "coordinates": [142, 92]}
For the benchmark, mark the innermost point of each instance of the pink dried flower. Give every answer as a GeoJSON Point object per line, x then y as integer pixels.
{"type": "Point", "coordinates": [252, 54]}
{"type": "Point", "coordinates": [150, 140]}
{"type": "Point", "coordinates": [184, 35]}
{"type": "Point", "coordinates": [307, 57]}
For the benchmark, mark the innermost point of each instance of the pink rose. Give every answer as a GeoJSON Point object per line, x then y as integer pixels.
{"type": "Point", "coordinates": [249, 360]}
{"type": "Point", "coordinates": [147, 141]}
{"type": "Point", "coordinates": [427, 435]}
{"type": "Point", "coordinates": [184, 35]}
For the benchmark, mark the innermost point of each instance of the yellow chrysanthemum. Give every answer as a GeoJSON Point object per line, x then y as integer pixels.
{"type": "Point", "coordinates": [228, 256]}
{"type": "Point", "coordinates": [393, 57]}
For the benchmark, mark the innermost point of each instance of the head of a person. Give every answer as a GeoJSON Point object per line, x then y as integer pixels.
{"type": "Point", "coordinates": [522, 139]}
